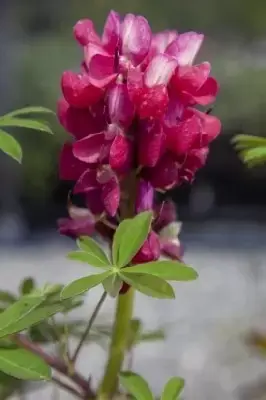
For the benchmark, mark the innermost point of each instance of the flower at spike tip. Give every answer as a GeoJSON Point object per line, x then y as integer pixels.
{"type": "Point", "coordinates": [136, 105]}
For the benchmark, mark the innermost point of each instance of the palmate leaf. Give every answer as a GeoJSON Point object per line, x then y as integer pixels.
{"type": "Point", "coordinates": [129, 237]}
{"type": "Point", "coordinates": [25, 123]}
{"type": "Point", "coordinates": [91, 248]}
{"type": "Point", "coordinates": [30, 309]}
{"type": "Point", "coordinates": [248, 141]}
{"type": "Point", "coordinates": [135, 385]}
{"type": "Point", "coordinates": [82, 285]}
{"type": "Point", "coordinates": [29, 110]}
{"type": "Point", "coordinates": [7, 298]}
{"type": "Point", "coordinates": [252, 149]}
{"type": "Point", "coordinates": [152, 286]}
{"type": "Point", "coordinates": [10, 146]}
{"type": "Point", "coordinates": [112, 285]}
{"type": "Point", "coordinates": [27, 286]}
{"type": "Point", "coordinates": [169, 270]}
{"type": "Point", "coordinates": [22, 364]}
{"type": "Point", "coordinates": [254, 156]}
{"type": "Point", "coordinates": [17, 312]}
{"type": "Point", "coordinates": [173, 388]}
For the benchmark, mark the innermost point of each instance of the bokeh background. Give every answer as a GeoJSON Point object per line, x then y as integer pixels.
{"type": "Point", "coordinates": [224, 212]}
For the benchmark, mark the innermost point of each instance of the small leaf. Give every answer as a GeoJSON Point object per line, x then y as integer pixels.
{"type": "Point", "coordinates": [119, 233]}
{"type": "Point", "coordinates": [169, 270]}
{"type": "Point", "coordinates": [29, 110]}
{"type": "Point", "coordinates": [152, 336]}
{"type": "Point", "coordinates": [27, 286]}
{"type": "Point", "coordinates": [10, 146]}
{"type": "Point", "coordinates": [248, 141]}
{"type": "Point", "coordinates": [173, 388]}
{"type": "Point", "coordinates": [13, 315]}
{"type": "Point", "coordinates": [83, 284]}
{"type": "Point", "coordinates": [135, 385]}
{"type": "Point", "coordinates": [112, 285]}
{"type": "Point", "coordinates": [34, 317]}
{"type": "Point", "coordinates": [25, 123]}
{"type": "Point", "coordinates": [91, 248]}
{"type": "Point", "coordinates": [149, 285]}
{"type": "Point", "coordinates": [22, 364]}
{"type": "Point", "coordinates": [254, 156]}
{"type": "Point", "coordinates": [87, 258]}
{"type": "Point", "coordinates": [7, 297]}
{"type": "Point", "coordinates": [129, 237]}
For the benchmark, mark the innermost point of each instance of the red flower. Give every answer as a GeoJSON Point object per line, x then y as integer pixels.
{"type": "Point", "coordinates": [130, 111]}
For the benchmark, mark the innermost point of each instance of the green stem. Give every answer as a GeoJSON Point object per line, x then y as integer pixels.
{"type": "Point", "coordinates": [118, 345]}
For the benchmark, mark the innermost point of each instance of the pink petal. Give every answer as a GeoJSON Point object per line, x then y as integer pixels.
{"type": "Point", "coordinates": [151, 144]}
{"type": "Point", "coordinates": [186, 47]}
{"type": "Point", "coordinates": [84, 32]}
{"type": "Point", "coordinates": [191, 78]}
{"type": "Point", "coordinates": [94, 201]}
{"type": "Point", "coordinates": [136, 38]}
{"type": "Point", "coordinates": [111, 32]}
{"type": "Point", "coordinates": [161, 41]}
{"type": "Point", "coordinates": [207, 93]}
{"type": "Point", "coordinates": [79, 122]}
{"type": "Point", "coordinates": [182, 137]}
{"type": "Point", "coordinates": [112, 131]}
{"type": "Point", "coordinates": [76, 227]}
{"type": "Point", "coordinates": [78, 90]}
{"type": "Point", "coordinates": [111, 196]}
{"type": "Point", "coordinates": [152, 102]}
{"type": "Point", "coordinates": [121, 154]}
{"type": "Point", "coordinates": [150, 250]}
{"type": "Point", "coordinates": [166, 213]}
{"type": "Point", "coordinates": [121, 109]}
{"type": "Point", "coordinates": [195, 160]}
{"type": "Point", "coordinates": [101, 71]}
{"type": "Point", "coordinates": [134, 84]}
{"type": "Point", "coordinates": [70, 168]}
{"type": "Point", "coordinates": [159, 70]}
{"type": "Point", "coordinates": [172, 249]}
{"type": "Point", "coordinates": [210, 126]}
{"type": "Point", "coordinates": [165, 174]}
{"type": "Point", "coordinates": [104, 174]}
{"type": "Point", "coordinates": [89, 148]}
{"type": "Point", "coordinates": [86, 182]}
{"type": "Point", "coordinates": [144, 197]}
{"type": "Point", "coordinates": [78, 212]}
{"type": "Point", "coordinates": [174, 113]}
{"type": "Point", "coordinates": [94, 49]}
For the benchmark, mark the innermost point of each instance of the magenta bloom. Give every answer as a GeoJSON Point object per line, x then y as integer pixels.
{"type": "Point", "coordinates": [135, 108]}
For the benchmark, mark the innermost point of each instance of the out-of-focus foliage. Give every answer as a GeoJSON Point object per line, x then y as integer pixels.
{"type": "Point", "coordinates": [252, 149]}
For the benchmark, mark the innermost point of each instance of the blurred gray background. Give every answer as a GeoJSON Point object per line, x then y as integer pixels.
{"type": "Point", "coordinates": [224, 212]}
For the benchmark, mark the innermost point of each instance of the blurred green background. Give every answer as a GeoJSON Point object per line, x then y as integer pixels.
{"type": "Point", "coordinates": [36, 45]}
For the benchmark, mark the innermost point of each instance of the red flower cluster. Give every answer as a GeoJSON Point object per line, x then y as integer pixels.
{"type": "Point", "coordinates": [131, 107]}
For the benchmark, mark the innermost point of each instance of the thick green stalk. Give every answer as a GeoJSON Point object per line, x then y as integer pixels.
{"type": "Point", "coordinates": [124, 307]}
{"type": "Point", "coordinates": [118, 346]}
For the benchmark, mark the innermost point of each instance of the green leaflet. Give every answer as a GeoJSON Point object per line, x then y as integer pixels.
{"type": "Point", "coordinates": [23, 364]}
{"type": "Point", "coordinates": [129, 237]}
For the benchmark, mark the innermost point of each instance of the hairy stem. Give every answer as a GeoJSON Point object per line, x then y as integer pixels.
{"type": "Point", "coordinates": [87, 330]}
{"type": "Point", "coordinates": [55, 363]}
{"type": "Point", "coordinates": [118, 345]}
